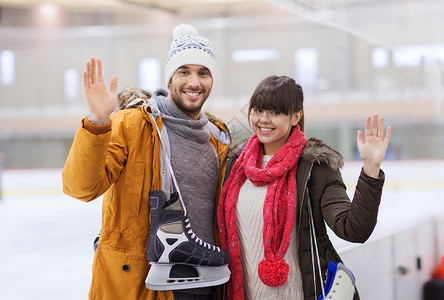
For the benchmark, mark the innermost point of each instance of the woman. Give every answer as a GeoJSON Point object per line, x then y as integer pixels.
{"type": "Point", "coordinates": [263, 210]}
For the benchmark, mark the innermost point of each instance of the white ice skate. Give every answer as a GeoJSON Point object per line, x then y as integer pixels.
{"type": "Point", "coordinates": [178, 258]}
{"type": "Point", "coordinates": [340, 284]}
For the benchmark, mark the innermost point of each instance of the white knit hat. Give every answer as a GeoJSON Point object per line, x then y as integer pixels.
{"type": "Point", "coordinates": [189, 48]}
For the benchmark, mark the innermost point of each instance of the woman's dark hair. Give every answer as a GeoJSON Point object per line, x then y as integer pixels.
{"type": "Point", "coordinates": [278, 93]}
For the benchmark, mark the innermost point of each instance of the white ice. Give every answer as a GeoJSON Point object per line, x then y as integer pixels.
{"type": "Point", "coordinates": [46, 238]}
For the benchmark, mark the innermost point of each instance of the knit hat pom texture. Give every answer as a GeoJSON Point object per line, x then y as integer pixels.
{"type": "Point", "coordinates": [183, 29]}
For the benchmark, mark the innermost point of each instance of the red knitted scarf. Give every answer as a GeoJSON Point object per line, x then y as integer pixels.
{"type": "Point", "coordinates": [279, 208]}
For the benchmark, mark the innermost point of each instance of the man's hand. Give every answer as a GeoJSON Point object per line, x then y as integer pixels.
{"type": "Point", "coordinates": [373, 146]}
{"type": "Point", "coordinates": [100, 101]}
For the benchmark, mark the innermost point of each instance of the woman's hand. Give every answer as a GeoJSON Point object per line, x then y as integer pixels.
{"type": "Point", "coordinates": [373, 146]}
{"type": "Point", "coordinates": [100, 101]}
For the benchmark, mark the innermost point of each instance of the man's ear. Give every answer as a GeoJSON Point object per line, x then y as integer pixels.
{"type": "Point", "coordinates": [296, 117]}
{"type": "Point", "coordinates": [169, 83]}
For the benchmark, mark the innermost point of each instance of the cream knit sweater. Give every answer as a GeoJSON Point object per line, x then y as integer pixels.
{"type": "Point", "coordinates": [250, 223]}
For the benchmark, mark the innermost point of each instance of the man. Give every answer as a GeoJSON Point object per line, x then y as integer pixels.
{"type": "Point", "coordinates": [118, 155]}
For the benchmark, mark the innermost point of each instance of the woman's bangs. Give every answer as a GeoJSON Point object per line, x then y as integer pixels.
{"type": "Point", "coordinates": [268, 99]}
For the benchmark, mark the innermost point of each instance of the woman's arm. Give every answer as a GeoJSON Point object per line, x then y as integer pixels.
{"type": "Point", "coordinates": [355, 220]}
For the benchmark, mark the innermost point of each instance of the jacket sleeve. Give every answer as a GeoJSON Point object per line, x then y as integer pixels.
{"type": "Point", "coordinates": [95, 160]}
{"type": "Point", "coordinates": [352, 221]}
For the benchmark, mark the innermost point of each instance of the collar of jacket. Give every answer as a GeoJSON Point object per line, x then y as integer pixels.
{"type": "Point", "coordinates": [316, 150]}
{"type": "Point", "coordinates": [150, 105]}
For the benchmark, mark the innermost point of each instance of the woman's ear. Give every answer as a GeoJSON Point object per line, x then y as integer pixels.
{"type": "Point", "coordinates": [296, 117]}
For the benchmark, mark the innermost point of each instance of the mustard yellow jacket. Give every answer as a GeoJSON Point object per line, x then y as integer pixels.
{"type": "Point", "coordinates": [122, 161]}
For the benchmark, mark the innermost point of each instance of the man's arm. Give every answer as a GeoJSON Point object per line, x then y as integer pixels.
{"type": "Point", "coordinates": [87, 174]}
{"type": "Point", "coordinates": [85, 164]}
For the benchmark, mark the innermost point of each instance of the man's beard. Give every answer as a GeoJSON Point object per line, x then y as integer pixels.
{"type": "Point", "coordinates": [180, 103]}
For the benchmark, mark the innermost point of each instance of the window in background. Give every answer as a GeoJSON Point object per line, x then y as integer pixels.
{"type": "Point", "coordinates": [255, 54]}
{"type": "Point", "coordinates": [7, 67]}
{"type": "Point", "coordinates": [71, 84]}
{"type": "Point", "coordinates": [408, 56]}
{"type": "Point", "coordinates": [438, 52]}
{"type": "Point", "coordinates": [306, 63]}
{"type": "Point", "coordinates": [149, 73]}
{"type": "Point", "coordinates": [380, 57]}
{"type": "Point", "coordinates": [417, 55]}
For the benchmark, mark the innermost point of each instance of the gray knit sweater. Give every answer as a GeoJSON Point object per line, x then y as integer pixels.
{"type": "Point", "coordinates": [196, 167]}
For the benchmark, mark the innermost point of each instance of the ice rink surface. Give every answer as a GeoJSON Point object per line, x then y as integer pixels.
{"type": "Point", "coordinates": [46, 237]}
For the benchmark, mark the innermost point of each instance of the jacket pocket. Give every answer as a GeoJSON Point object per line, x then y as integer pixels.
{"type": "Point", "coordinates": [118, 275]}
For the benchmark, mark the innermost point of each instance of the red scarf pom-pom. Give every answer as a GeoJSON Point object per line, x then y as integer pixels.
{"type": "Point", "coordinates": [273, 273]}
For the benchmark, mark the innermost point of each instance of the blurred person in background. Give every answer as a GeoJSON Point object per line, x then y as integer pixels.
{"type": "Point", "coordinates": [116, 152]}
{"type": "Point", "coordinates": [263, 207]}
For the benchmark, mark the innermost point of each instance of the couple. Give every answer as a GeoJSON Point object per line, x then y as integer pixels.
{"type": "Point", "coordinates": [117, 153]}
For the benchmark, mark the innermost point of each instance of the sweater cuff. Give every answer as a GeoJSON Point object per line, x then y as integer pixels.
{"type": "Point", "coordinates": [96, 129]}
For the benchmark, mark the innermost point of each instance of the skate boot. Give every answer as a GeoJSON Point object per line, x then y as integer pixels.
{"type": "Point", "coordinates": [178, 258]}
{"type": "Point", "coordinates": [340, 282]}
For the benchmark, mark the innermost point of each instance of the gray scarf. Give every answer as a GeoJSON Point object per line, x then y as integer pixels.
{"type": "Point", "coordinates": [181, 125]}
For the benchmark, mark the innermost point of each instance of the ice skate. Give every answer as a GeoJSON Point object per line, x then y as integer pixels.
{"type": "Point", "coordinates": [178, 258]}
{"type": "Point", "coordinates": [340, 284]}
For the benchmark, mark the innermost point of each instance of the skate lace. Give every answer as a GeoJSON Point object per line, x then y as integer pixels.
{"type": "Point", "coordinates": [197, 239]}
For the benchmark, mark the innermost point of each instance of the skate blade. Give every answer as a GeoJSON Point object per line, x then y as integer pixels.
{"type": "Point", "coordinates": [161, 277]}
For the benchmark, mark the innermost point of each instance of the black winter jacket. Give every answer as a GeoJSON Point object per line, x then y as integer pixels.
{"type": "Point", "coordinates": [353, 221]}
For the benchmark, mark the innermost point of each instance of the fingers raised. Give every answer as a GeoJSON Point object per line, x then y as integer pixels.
{"type": "Point", "coordinates": [85, 80]}
{"type": "Point", "coordinates": [388, 135]}
{"type": "Point", "coordinates": [381, 128]}
{"type": "Point", "coordinates": [375, 125]}
{"type": "Point", "coordinates": [113, 84]}
{"type": "Point", "coordinates": [368, 124]}
{"type": "Point", "coordinates": [359, 137]}
{"type": "Point", "coordinates": [93, 70]}
{"type": "Point", "coordinates": [99, 71]}
{"type": "Point", "coordinates": [87, 75]}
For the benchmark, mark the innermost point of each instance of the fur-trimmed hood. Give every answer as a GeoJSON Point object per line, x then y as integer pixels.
{"type": "Point", "coordinates": [315, 150]}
